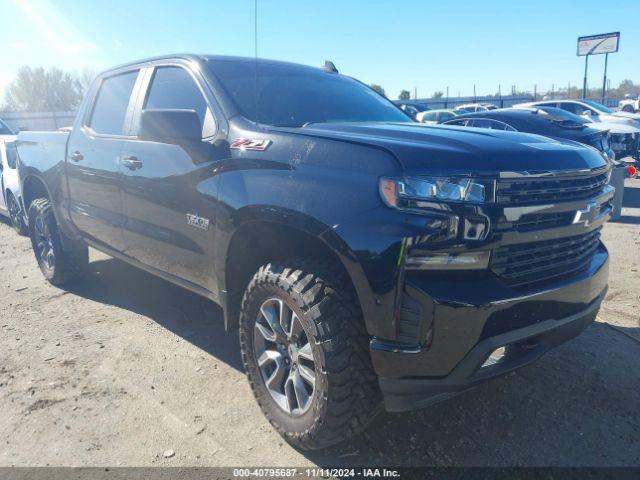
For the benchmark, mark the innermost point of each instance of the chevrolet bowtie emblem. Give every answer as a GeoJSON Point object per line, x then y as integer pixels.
{"type": "Point", "coordinates": [587, 215]}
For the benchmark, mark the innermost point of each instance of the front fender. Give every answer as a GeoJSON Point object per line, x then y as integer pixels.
{"type": "Point", "coordinates": [376, 296]}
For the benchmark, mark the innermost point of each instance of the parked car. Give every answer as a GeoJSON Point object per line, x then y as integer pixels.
{"type": "Point", "coordinates": [9, 182]}
{"type": "Point", "coordinates": [630, 104]}
{"type": "Point", "coordinates": [365, 258]}
{"type": "Point", "coordinates": [436, 116]}
{"type": "Point", "coordinates": [413, 109]}
{"type": "Point", "coordinates": [552, 122]}
{"type": "Point", "coordinates": [624, 140]}
{"type": "Point", "coordinates": [476, 107]}
{"type": "Point", "coordinates": [590, 110]}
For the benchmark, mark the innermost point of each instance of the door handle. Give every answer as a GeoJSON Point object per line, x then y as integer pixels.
{"type": "Point", "coordinates": [131, 162]}
{"type": "Point", "coordinates": [76, 156]}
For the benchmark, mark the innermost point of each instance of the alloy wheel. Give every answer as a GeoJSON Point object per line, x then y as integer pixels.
{"type": "Point", "coordinates": [285, 357]}
{"type": "Point", "coordinates": [44, 243]}
{"type": "Point", "coordinates": [14, 211]}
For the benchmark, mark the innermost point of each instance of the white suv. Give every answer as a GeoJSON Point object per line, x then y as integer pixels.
{"type": "Point", "coordinates": [10, 194]}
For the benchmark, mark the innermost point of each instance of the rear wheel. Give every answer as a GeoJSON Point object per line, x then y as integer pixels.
{"type": "Point", "coordinates": [627, 108]}
{"type": "Point", "coordinates": [305, 351]}
{"type": "Point", "coordinates": [58, 265]}
{"type": "Point", "coordinates": [16, 215]}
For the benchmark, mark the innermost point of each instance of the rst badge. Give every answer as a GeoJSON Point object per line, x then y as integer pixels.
{"type": "Point", "coordinates": [197, 222]}
{"type": "Point", "coordinates": [250, 144]}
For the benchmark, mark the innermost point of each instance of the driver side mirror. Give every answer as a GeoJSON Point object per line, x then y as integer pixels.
{"type": "Point", "coordinates": [173, 126]}
{"type": "Point", "coordinates": [587, 113]}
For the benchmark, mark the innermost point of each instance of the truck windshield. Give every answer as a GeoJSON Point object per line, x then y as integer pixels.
{"type": "Point", "coordinates": [292, 96]}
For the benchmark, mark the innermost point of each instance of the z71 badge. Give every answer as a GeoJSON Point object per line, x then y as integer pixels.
{"type": "Point", "coordinates": [250, 144]}
{"type": "Point", "coordinates": [197, 222]}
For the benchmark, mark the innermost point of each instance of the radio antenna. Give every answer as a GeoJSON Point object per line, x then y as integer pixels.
{"type": "Point", "coordinates": [255, 53]}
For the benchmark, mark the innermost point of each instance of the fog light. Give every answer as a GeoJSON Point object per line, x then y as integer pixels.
{"type": "Point", "coordinates": [496, 356]}
{"type": "Point", "coordinates": [449, 261]}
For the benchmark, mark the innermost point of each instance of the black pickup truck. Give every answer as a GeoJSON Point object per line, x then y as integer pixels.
{"type": "Point", "coordinates": [367, 260]}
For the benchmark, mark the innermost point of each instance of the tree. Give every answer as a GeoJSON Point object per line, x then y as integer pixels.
{"type": "Point", "coordinates": [37, 89]}
{"type": "Point", "coordinates": [377, 88]}
{"type": "Point", "coordinates": [404, 95]}
{"type": "Point", "coordinates": [437, 94]}
{"type": "Point", "coordinates": [83, 79]}
{"type": "Point", "coordinates": [627, 87]}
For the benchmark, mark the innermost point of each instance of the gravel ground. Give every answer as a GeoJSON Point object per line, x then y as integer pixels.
{"type": "Point", "coordinates": [126, 369]}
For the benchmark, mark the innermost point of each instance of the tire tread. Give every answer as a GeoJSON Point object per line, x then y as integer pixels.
{"type": "Point", "coordinates": [70, 264]}
{"type": "Point", "coordinates": [326, 295]}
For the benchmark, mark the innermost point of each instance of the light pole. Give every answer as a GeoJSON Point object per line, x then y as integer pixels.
{"type": "Point", "coordinates": [584, 81]}
{"type": "Point", "coordinates": [604, 79]}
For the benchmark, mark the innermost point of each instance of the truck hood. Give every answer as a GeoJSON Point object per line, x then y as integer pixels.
{"type": "Point", "coordinates": [422, 148]}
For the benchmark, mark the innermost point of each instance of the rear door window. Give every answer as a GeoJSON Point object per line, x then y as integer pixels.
{"type": "Point", "coordinates": [444, 116]}
{"type": "Point", "coordinates": [489, 123]}
{"type": "Point", "coordinates": [458, 123]}
{"type": "Point", "coordinates": [574, 108]}
{"type": "Point", "coordinates": [112, 102]}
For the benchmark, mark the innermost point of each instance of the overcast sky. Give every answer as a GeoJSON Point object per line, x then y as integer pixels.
{"type": "Point", "coordinates": [398, 44]}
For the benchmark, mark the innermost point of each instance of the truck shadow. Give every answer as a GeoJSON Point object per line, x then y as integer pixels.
{"type": "Point", "coordinates": [577, 406]}
{"type": "Point", "coordinates": [186, 314]}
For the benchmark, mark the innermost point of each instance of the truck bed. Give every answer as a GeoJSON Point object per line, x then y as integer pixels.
{"type": "Point", "coordinates": [42, 150]}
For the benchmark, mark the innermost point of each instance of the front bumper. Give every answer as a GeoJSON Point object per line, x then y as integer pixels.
{"type": "Point", "coordinates": [471, 320]}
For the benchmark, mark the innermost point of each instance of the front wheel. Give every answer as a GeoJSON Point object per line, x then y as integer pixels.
{"type": "Point", "coordinates": [58, 265]}
{"type": "Point", "coordinates": [305, 351]}
{"type": "Point", "coordinates": [15, 214]}
{"type": "Point", "coordinates": [627, 108]}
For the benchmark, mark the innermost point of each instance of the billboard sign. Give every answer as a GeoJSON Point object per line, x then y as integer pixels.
{"type": "Point", "coordinates": [598, 44]}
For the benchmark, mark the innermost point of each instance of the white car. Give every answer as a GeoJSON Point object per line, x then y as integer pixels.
{"type": "Point", "coordinates": [10, 197]}
{"type": "Point", "coordinates": [436, 116]}
{"type": "Point", "coordinates": [590, 110]}
{"type": "Point", "coordinates": [629, 104]}
{"type": "Point", "coordinates": [476, 107]}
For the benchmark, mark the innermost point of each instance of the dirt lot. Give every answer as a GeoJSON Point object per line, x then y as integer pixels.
{"type": "Point", "coordinates": [125, 367]}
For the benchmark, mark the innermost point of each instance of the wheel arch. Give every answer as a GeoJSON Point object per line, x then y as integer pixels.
{"type": "Point", "coordinates": [280, 236]}
{"type": "Point", "coordinates": [33, 187]}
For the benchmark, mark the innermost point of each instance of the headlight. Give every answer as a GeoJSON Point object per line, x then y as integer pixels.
{"type": "Point", "coordinates": [410, 192]}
